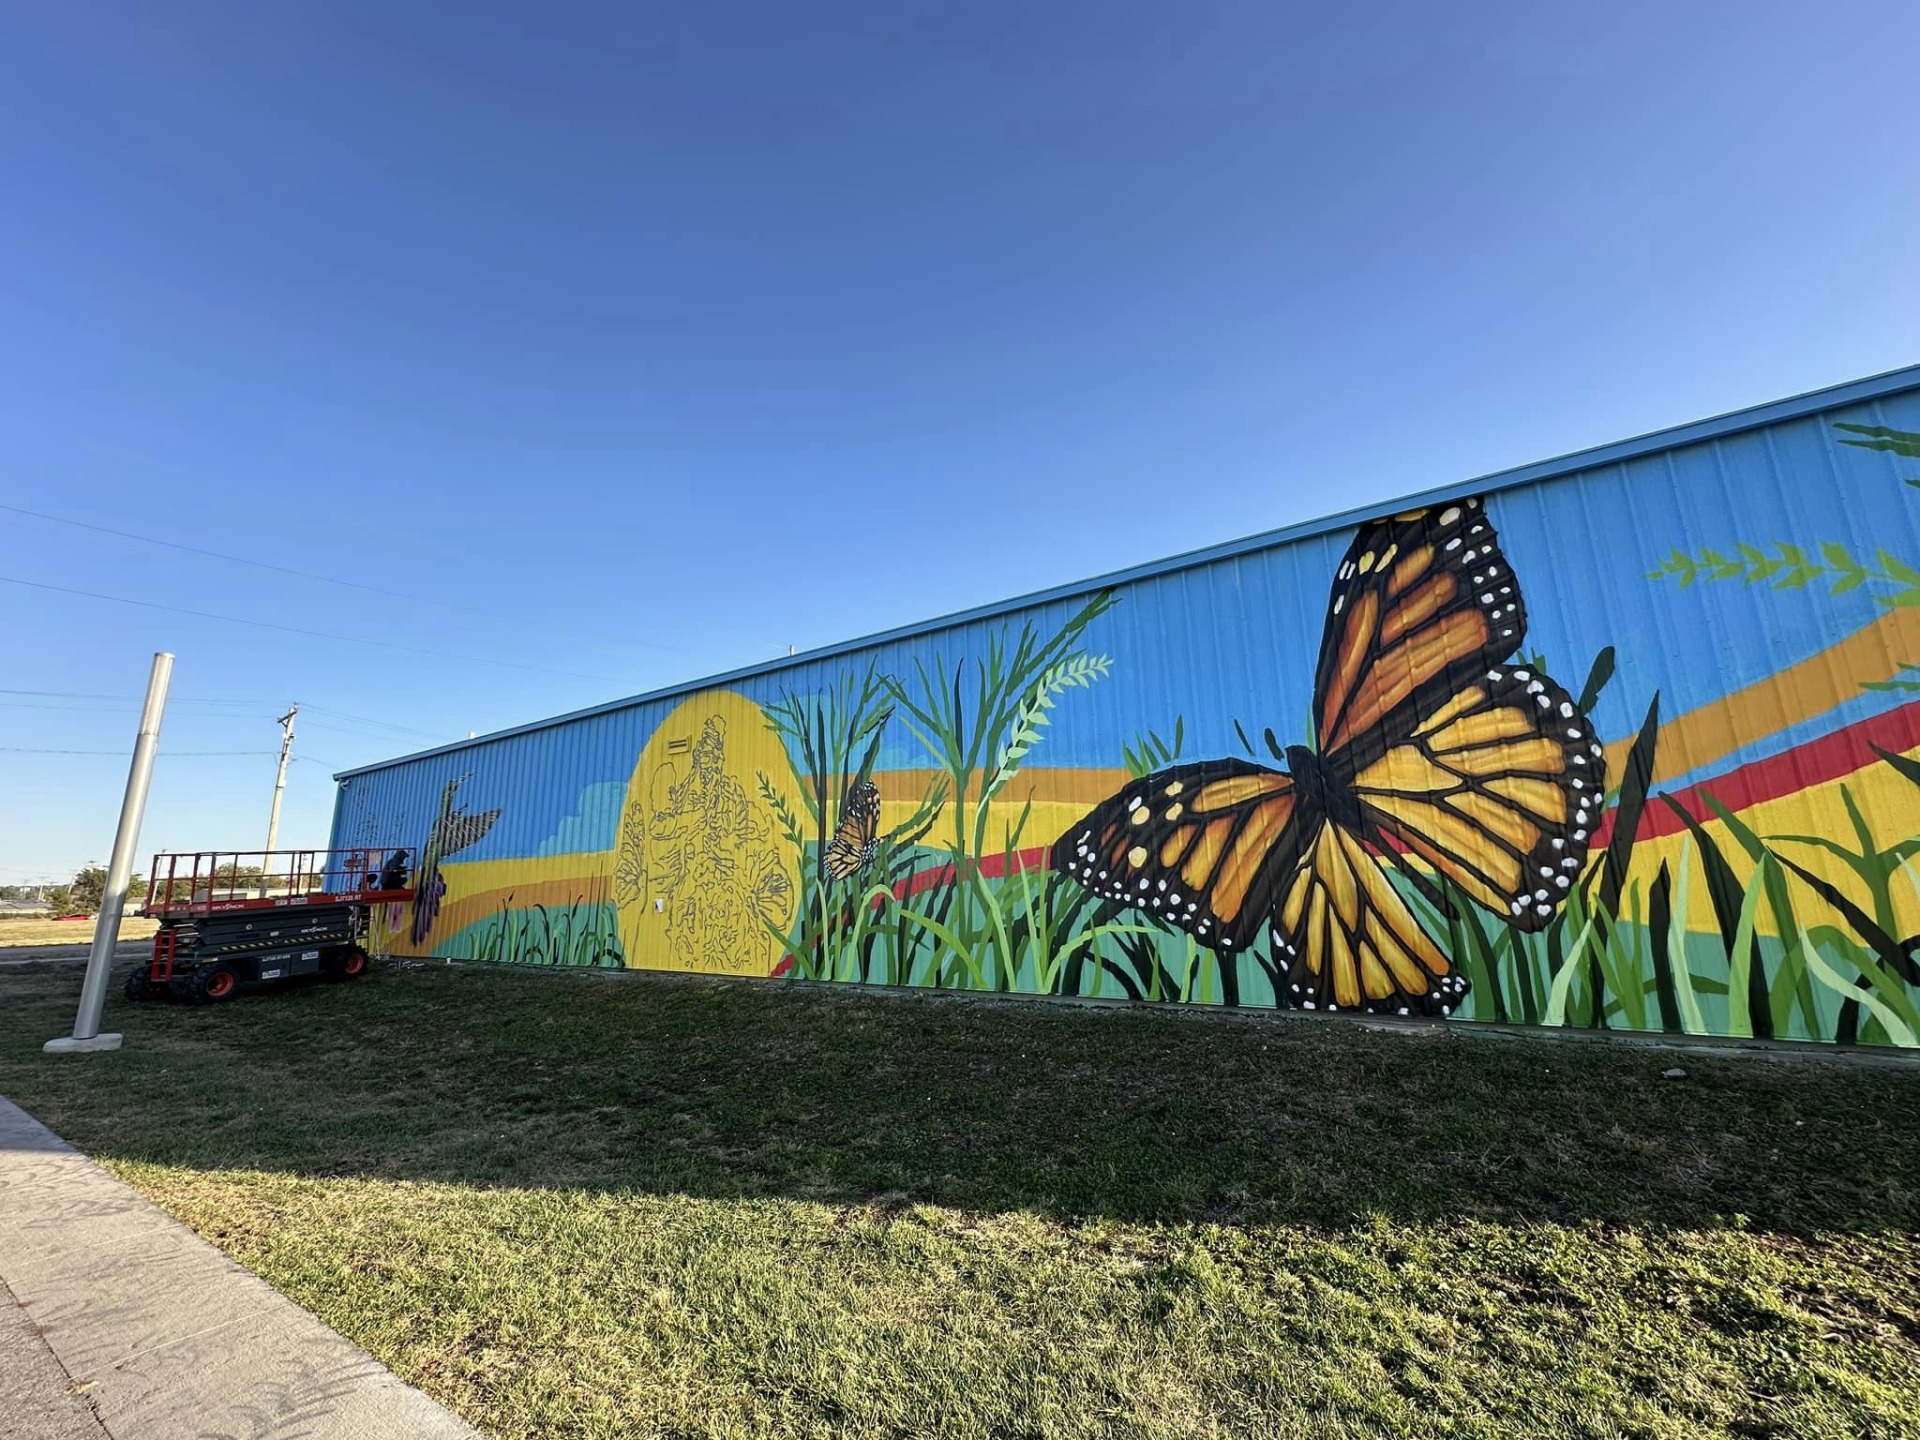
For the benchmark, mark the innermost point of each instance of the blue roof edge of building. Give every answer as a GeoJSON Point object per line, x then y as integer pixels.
{"type": "Point", "coordinates": [1831, 397]}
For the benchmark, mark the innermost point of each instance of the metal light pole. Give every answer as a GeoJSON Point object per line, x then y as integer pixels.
{"type": "Point", "coordinates": [106, 933]}
{"type": "Point", "coordinates": [279, 789]}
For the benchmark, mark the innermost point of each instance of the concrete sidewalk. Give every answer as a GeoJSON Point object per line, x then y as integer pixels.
{"type": "Point", "coordinates": [117, 1321]}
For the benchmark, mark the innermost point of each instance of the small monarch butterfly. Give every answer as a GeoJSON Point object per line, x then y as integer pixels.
{"type": "Point", "coordinates": [852, 848]}
{"type": "Point", "coordinates": [1428, 747]}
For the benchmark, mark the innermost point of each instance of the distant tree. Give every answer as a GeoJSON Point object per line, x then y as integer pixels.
{"type": "Point", "coordinates": [14, 892]}
{"type": "Point", "coordinates": [89, 889]}
{"type": "Point", "coordinates": [59, 900]}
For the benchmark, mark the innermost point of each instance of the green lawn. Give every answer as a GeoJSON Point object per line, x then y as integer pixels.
{"type": "Point", "coordinates": [578, 1205]}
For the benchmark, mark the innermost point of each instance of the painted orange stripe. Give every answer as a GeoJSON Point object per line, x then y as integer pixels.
{"type": "Point", "coordinates": [1798, 693]}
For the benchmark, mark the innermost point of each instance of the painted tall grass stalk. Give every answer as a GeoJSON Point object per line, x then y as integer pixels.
{"type": "Point", "coordinates": [832, 740]}
{"type": "Point", "coordinates": [947, 901]}
{"type": "Point", "coordinates": [585, 934]}
{"type": "Point", "coordinates": [979, 723]}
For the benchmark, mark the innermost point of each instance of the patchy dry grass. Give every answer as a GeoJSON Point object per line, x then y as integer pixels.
{"type": "Point", "coordinates": [580, 1206]}
{"type": "Point", "coordinates": [18, 930]}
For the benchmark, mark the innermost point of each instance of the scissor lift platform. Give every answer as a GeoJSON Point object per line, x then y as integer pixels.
{"type": "Point", "coordinates": [232, 916]}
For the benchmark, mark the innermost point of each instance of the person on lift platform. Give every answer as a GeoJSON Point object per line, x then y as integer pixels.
{"type": "Point", "coordinates": [393, 875]}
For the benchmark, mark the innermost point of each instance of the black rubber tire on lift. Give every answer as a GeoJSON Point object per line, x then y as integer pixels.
{"type": "Point", "coordinates": [140, 985]}
{"type": "Point", "coordinates": [346, 964]}
{"type": "Point", "coordinates": [208, 985]}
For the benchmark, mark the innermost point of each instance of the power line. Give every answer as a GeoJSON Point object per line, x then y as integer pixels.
{"type": "Point", "coordinates": [231, 559]}
{"type": "Point", "coordinates": [301, 574]}
{"type": "Point", "coordinates": [369, 720]}
{"type": "Point", "coordinates": [130, 699]}
{"type": "Point", "coordinates": [165, 754]}
{"type": "Point", "coordinates": [296, 630]}
{"type": "Point", "coordinates": [80, 709]}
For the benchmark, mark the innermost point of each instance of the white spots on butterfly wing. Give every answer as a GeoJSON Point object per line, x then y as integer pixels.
{"type": "Point", "coordinates": [1339, 602]}
{"type": "Point", "coordinates": [1449, 515]}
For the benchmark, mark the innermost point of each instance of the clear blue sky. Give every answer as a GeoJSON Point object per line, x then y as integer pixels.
{"type": "Point", "coordinates": [639, 342]}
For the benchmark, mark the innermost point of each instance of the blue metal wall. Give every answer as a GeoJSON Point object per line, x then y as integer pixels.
{"type": "Point", "coordinates": [1232, 634]}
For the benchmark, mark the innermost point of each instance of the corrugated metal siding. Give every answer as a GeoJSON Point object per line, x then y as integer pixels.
{"type": "Point", "coordinates": [1233, 634]}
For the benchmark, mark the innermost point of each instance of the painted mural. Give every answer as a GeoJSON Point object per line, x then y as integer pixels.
{"type": "Point", "coordinates": [1631, 749]}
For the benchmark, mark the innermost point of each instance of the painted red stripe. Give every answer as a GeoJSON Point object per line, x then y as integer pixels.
{"type": "Point", "coordinates": [1817, 762]}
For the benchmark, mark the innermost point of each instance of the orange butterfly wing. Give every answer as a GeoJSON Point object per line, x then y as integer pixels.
{"type": "Point", "coordinates": [1200, 846]}
{"type": "Point", "coordinates": [1498, 790]}
{"type": "Point", "coordinates": [1421, 603]}
{"type": "Point", "coordinates": [1349, 940]}
{"type": "Point", "coordinates": [854, 841]}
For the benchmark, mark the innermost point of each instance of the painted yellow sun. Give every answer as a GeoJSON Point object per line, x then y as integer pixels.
{"type": "Point", "coordinates": [704, 878]}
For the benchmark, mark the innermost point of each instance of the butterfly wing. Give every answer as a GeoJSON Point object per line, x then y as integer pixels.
{"type": "Point", "coordinates": [1497, 790]}
{"type": "Point", "coordinates": [1421, 604]}
{"type": "Point", "coordinates": [1348, 939]}
{"type": "Point", "coordinates": [857, 837]}
{"type": "Point", "coordinates": [1199, 846]}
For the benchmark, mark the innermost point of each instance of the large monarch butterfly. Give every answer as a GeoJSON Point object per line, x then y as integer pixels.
{"type": "Point", "coordinates": [1428, 747]}
{"type": "Point", "coordinates": [857, 837]}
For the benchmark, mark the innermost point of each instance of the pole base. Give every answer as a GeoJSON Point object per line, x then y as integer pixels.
{"type": "Point", "coordinates": [67, 1045]}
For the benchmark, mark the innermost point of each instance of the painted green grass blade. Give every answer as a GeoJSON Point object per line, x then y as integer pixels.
{"type": "Point", "coordinates": [1908, 767]}
{"type": "Point", "coordinates": [1597, 677]}
{"type": "Point", "coordinates": [1557, 996]}
{"type": "Point", "coordinates": [1728, 896]}
{"type": "Point", "coordinates": [1659, 926]}
{"type": "Point", "coordinates": [1634, 783]}
{"type": "Point", "coordinates": [1791, 985]}
{"type": "Point", "coordinates": [1896, 955]}
{"type": "Point", "coordinates": [1691, 1018]}
{"type": "Point", "coordinates": [1881, 994]}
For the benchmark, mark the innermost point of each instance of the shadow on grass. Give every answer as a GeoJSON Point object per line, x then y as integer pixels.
{"type": "Point", "coordinates": [731, 1090]}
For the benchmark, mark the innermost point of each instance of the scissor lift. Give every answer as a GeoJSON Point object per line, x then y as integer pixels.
{"type": "Point", "coordinates": [230, 916]}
